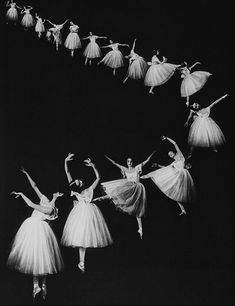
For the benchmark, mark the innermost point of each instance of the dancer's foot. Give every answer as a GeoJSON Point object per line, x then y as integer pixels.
{"type": "Point", "coordinates": [36, 290]}
{"type": "Point", "coordinates": [183, 212]}
{"type": "Point", "coordinates": [44, 291]}
{"type": "Point", "coordinates": [215, 150]}
{"type": "Point", "coordinates": [81, 266]}
{"type": "Point", "coordinates": [140, 231]}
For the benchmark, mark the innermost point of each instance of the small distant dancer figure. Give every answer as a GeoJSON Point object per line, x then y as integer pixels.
{"type": "Point", "coordinates": [39, 27]}
{"type": "Point", "coordinates": [73, 41]}
{"type": "Point", "coordinates": [92, 49]}
{"type": "Point", "coordinates": [12, 13]}
{"type": "Point", "coordinates": [55, 31]}
{"type": "Point", "coordinates": [27, 21]}
{"type": "Point", "coordinates": [204, 131]}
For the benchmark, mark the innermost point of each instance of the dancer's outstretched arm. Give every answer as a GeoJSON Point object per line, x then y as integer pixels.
{"type": "Point", "coordinates": [216, 101]}
{"type": "Point", "coordinates": [68, 158]}
{"type": "Point", "coordinates": [51, 22]}
{"type": "Point", "coordinates": [174, 144]}
{"type": "Point", "coordinates": [197, 63]}
{"type": "Point", "coordinates": [65, 22]}
{"type": "Point", "coordinates": [189, 117]}
{"type": "Point", "coordinates": [32, 183]}
{"type": "Point", "coordinates": [148, 159]}
{"type": "Point", "coordinates": [88, 163]}
{"type": "Point", "coordinates": [113, 162]}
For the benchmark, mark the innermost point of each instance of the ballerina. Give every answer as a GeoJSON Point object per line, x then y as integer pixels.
{"type": "Point", "coordinates": [128, 194]}
{"type": "Point", "coordinates": [12, 13]}
{"type": "Point", "coordinates": [174, 180]}
{"type": "Point", "coordinates": [73, 41]}
{"type": "Point", "coordinates": [137, 65]}
{"type": "Point", "coordinates": [85, 226]}
{"type": "Point", "coordinates": [39, 27]}
{"type": "Point", "coordinates": [204, 131]}
{"type": "Point", "coordinates": [35, 249]}
{"type": "Point", "coordinates": [27, 21]}
{"type": "Point", "coordinates": [159, 72]}
{"type": "Point", "coordinates": [56, 32]}
{"type": "Point", "coordinates": [192, 82]}
{"type": "Point", "coordinates": [92, 49]}
{"type": "Point", "coordinates": [114, 58]}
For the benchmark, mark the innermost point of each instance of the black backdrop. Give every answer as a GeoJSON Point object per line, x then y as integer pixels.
{"type": "Point", "coordinates": [52, 104]}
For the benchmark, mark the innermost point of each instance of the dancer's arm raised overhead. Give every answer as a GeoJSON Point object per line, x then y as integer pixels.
{"type": "Point", "coordinates": [148, 159]}
{"type": "Point", "coordinates": [216, 101]}
{"type": "Point", "coordinates": [197, 63]}
{"type": "Point", "coordinates": [51, 22]}
{"type": "Point", "coordinates": [68, 158]}
{"type": "Point", "coordinates": [32, 183]}
{"type": "Point", "coordinates": [43, 209]}
{"type": "Point", "coordinates": [113, 162]}
{"type": "Point", "coordinates": [88, 163]}
{"type": "Point", "coordinates": [174, 144]}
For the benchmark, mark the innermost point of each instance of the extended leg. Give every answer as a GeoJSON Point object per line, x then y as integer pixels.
{"type": "Point", "coordinates": [140, 229]}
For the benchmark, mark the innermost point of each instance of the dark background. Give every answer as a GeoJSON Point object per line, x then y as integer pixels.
{"type": "Point", "coordinates": [52, 104]}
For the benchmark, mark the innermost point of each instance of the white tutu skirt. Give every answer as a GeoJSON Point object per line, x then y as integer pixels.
{"type": "Point", "coordinates": [73, 41]}
{"type": "Point", "coordinates": [27, 20]}
{"type": "Point", "coordinates": [177, 184]}
{"type": "Point", "coordinates": [85, 227]}
{"type": "Point", "coordinates": [12, 14]}
{"type": "Point", "coordinates": [137, 68]}
{"type": "Point", "coordinates": [39, 27]}
{"type": "Point", "coordinates": [92, 50]}
{"type": "Point", "coordinates": [128, 196]}
{"type": "Point", "coordinates": [204, 132]}
{"type": "Point", "coordinates": [193, 82]}
{"type": "Point", "coordinates": [113, 59]}
{"type": "Point", "coordinates": [159, 74]}
{"type": "Point", "coordinates": [35, 249]}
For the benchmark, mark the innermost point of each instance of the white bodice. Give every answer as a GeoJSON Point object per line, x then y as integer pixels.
{"type": "Point", "coordinates": [114, 46]}
{"type": "Point", "coordinates": [85, 196]}
{"type": "Point", "coordinates": [133, 174]}
{"type": "Point", "coordinates": [92, 38]}
{"type": "Point", "coordinates": [155, 60]}
{"type": "Point", "coordinates": [27, 11]}
{"type": "Point", "coordinates": [40, 215]}
{"type": "Point", "coordinates": [13, 5]}
{"type": "Point", "coordinates": [73, 28]}
{"type": "Point", "coordinates": [179, 162]}
{"type": "Point", "coordinates": [204, 112]}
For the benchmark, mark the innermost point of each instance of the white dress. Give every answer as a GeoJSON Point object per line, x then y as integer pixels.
{"type": "Point", "coordinates": [137, 66]}
{"type": "Point", "coordinates": [85, 226]}
{"type": "Point", "coordinates": [39, 27]}
{"type": "Point", "coordinates": [35, 249]}
{"type": "Point", "coordinates": [73, 41]}
{"type": "Point", "coordinates": [159, 72]}
{"type": "Point", "coordinates": [27, 20]}
{"type": "Point", "coordinates": [92, 49]}
{"type": "Point", "coordinates": [12, 13]}
{"type": "Point", "coordinates": [114, 58]}
{"type": "Point", "coordinates": [192, 82]}
{"type": "Point", "coordinates": [175, 181]}
{"type": "Point", "coordinates": [204, 131]}
{"type": "Point", "coordinates": [128, 194]}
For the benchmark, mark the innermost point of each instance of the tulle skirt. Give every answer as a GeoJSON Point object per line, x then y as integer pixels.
{"type": "Point", "coordinates": [159, 74]}
{"type": "Point", "coordinates": [128, 196]}
{"type": "Point", "coordinates": [193, 82]}
{"type": "Point", "coordinates": [204, 132]}
{"type": "Point", "coordinates": [35, 249]}
{"type": "Point", "coordinates": [73, 41]}
{"type": "Point", "coordinates": [177, 184]}
{"type": "Point", "coordinates": [137, 68]}
{"type": "Point", "coordinates": [113, 59]}
{"type": "Point", "coordinates": [92, 50]}
{"type": "Point", "coordinates": [39, 27]}
{"type": "Point", "coordinates": [27, 20]}
{"type": "Point", "coordinates": [85, 227]}
{"type": "Point", "coordinates": [12, 14]}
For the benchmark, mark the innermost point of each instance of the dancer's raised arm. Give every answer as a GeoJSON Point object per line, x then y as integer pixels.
{"type": "Point", "coordinates": [32, 183]}
{"type": "Point", "coordinates": [50, 22]}
{"type": "Point", "coordinates": [216, 101]}
{"type": "Point", "coordinates": [123, 45]}
{"type": "Point", "coordinates": [148, 159]}
{"type": "Point", "coordinates": [174, 144]}
{"type": "Point", "coordinates": [68, 158]}
{"type": "Point", "coordinates": [90, 164]}
{"type": "Point", "coordinates": [197, 63]}
{"type": "Point", "coordinates": [65, 22]}
{"type": "Point", "coordinates": [113, 162]}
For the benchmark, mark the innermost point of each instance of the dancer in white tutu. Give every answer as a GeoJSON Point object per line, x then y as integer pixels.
{"type": "Point", "coordinates": [128, 194]}
{"type": "Point", "coordinates": [39, 27]}
{"type": "Point", "coordinates": [27, 21]}
{"type": "Point", "coordinates": [192, 82]}
{"type": "Point", "coordinates": [159, 72]}
{"type": "Point", "coordinates": [174, 180]}
{"type": "Point", "coordinates": [114, 58]}
{"type": "Point", "coordinates": [35, 249]}
{"type": "Point", "coordinates": [12, 13]}
{"type": "Point", "coordinates": [204, 131]}
{"type": "Point", "coordinates": [137, 65]}
{"type": "Point", "coordinates": [92, 49]}
{"type": "Point", "coordinates": [73, 41]}
{"type": "Point", "coordinates": [85, 226]}
{"type": "Point", "coordinates": [55, 31]}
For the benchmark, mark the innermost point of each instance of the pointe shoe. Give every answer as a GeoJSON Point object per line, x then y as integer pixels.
{"type": "Point", "coordinates": [36, 290]}
{"type": "Point", "coordinates": [183, 212]}
{"type": "Point", "coordinates": [81, 266]}
{"type": "Point", "coordinates": [44, 291]}
{"type": "Point", "coordinates": [140, 231]}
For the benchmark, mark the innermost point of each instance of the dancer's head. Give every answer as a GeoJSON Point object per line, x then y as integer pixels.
{"type": "Point", "coordinates": [171, 154]}
{"type": "Point", "coordinates": [90, 33]}
{"type": "Point", "coordinates": [195, 106]}
{"type": "Point", "coordinates": [129, 162]}
{"type": "Point", "coordinates": [110, 41]}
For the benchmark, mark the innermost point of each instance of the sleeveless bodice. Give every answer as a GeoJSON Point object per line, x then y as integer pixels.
{"type": "Point", "coordinates": [133, 174]}
{"type": "Point", "coordinates": [114, 46]}
{"type": "Point", "coordinates": [155, 60]}
{"type": "Point", "coordinates": [73, 28]}
{"type": "Point", "coordinates": [179, 162]}
{"type": "Point", "coordinates": [85, 196]}
{"type": "Point", "coordinates": [204, 112]}
{"type": "Point", "coordinates": [92, 38]}
{"type": "Point", "coordinates": [40, 215]}
{"type": "Point", "coordinates": [184, 72]}
{"type": "Point", "coordinates": [13, 5]}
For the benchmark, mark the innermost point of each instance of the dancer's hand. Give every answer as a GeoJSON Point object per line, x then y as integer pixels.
{"type": "Point", "coordinates": [88, 162]}
{"type": "Point", "coordinates": [186, 124]}
{"type": "Point", "coordinates": [163, 137]}
{"type": "Point", "coordinates": [58, 194]}
{"type": "Point", "coordinates": [17, 194]}
{"type": "Point", "coordinates": [69, 157]}
{"type": "Point", "coordinates": [23, 170]}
